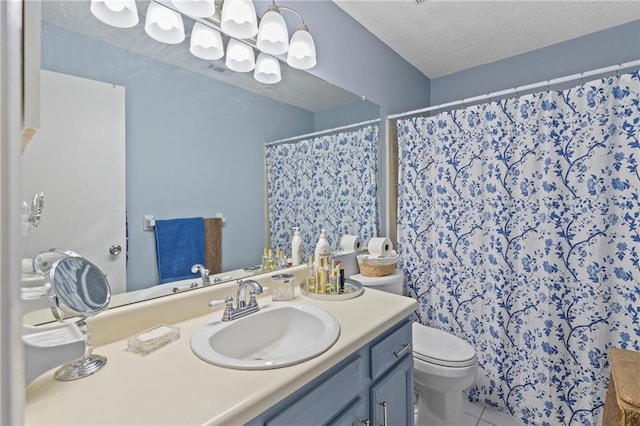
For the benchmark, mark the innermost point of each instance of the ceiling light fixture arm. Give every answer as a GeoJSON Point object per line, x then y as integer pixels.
{"type": "Point", "coordinates": [290, 10]}
{"type": "Point", "coordinates": [275, 8]}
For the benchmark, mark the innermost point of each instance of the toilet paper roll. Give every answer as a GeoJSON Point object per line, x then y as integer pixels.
{"type": "Point", "coordinates": [31, 280]}
{"type": "Point", "coordinates": [27, 265]}
{"type": "Point", "coordinates": [380, 247]}
{"type": "Point", "coordinates": [349, 243]}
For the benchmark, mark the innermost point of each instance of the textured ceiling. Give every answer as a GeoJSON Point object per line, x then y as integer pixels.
{"type": "Point", "coordinates": [440, 37]}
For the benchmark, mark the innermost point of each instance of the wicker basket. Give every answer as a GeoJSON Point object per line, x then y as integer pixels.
{"type": "Point", "coordinates": [376, 267]}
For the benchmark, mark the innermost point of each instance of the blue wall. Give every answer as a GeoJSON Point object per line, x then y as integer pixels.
{"type": "Point", "coordinates": [601, 49]}
{"type": "Point", "coordinates": [194, 145]}
{"type": "Point", "coordinates": [347, 114]}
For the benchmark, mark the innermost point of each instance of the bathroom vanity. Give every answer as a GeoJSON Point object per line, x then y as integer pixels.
{"type": "Point", "coordinates": [366, 374]}
{"type": "Point", "coordinates": [373, 385]}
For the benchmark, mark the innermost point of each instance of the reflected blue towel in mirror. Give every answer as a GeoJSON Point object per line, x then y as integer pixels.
{"type": "Point", "coordinates": [179, 245]}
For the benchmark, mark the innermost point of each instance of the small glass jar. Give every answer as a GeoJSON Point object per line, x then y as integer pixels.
{"type": "Point", "coordinates": [282, 287]}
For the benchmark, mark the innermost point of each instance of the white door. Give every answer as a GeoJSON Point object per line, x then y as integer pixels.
{"type": "Point", "coordinates": [77, 159]}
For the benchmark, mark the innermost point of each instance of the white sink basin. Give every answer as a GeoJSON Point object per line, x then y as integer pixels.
{"type": "Point", "coordinates": [280, 334]}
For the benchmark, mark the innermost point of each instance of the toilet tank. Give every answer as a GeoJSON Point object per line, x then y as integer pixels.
{"type": "Point", "coordinates": [393, 283]}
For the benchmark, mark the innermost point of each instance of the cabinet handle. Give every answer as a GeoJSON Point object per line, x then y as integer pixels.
{"type": "Point", "coordinates": [405, 348]}
{"type": "Point", "coordinates": [365, 422]}
{"type": "Point", "coordinates": [384, 412]}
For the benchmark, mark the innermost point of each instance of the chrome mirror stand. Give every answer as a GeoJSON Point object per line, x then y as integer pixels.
{"type": "Point", "coordinates": [77, 287]}
{"type": "Point", "coordinates": [82, 367]}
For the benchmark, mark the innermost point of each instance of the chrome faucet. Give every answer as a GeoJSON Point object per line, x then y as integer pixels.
{"type": "Point", "coordinates": [241, 295]}
{"type": "Point", "coordinates": [242, 307]}
{"type": "Point", "coordinates": [204, 273]}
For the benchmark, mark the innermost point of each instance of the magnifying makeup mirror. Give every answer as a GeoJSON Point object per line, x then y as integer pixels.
{"type": "Point", "coordinates": [77, 287]}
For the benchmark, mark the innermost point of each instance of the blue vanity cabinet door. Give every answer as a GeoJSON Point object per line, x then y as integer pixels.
{"type": "Point", "coordinates": [395, 389]}
{"type": "Point", "coordinates": [356, 414]}
{"type": "Point", "coordinates": [321, 400]}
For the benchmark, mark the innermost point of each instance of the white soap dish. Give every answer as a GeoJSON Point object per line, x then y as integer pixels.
{"type": "Point", "coordinates": [152, 339]}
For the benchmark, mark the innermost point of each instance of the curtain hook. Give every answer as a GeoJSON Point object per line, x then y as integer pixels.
{"type": "Point", "coordinates": [548, 86]}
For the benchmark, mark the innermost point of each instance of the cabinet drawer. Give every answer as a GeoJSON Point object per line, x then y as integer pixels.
{"type": "Point", "coordinates": [390, 349]}
{"type": "Point", "coordinates": [328, 398]}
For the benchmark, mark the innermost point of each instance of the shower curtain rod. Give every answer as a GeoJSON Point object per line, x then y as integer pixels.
{"type": "Point", "coordinates": [518, 89]}
{"type": "Point", "coordinates": [321, 132]}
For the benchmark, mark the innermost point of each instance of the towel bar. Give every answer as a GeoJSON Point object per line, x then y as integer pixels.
{"type": "Point", "coordinates": [149, 221]}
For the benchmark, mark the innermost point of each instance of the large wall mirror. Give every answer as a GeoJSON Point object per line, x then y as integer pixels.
{"type": "Point", "coordinates": [132, 127]}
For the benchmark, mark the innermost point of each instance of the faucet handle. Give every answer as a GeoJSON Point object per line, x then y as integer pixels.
{"type": "Point", "coordinates": [215, 303]}
{"type": "Point", "coordinates": [228, 309]}
{"type": "Point", "coordinates": [252, 299]}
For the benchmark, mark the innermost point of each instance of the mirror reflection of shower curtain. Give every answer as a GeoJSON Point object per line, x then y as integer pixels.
{"type": "Point", "coordinates": [327, 181]}
{"type": "Point", "coordinates": [519, 231]}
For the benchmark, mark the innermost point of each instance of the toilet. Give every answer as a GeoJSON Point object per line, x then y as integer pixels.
{"type": "Point", "coordinates": [444, 365]}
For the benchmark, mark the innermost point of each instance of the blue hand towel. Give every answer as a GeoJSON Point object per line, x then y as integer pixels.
{"type": "Point", "coordinates": [179, 246]}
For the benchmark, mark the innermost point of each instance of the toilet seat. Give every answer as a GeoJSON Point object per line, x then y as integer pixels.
{"type": "Point", "coordinates": [397, 276]}
{"type": "Point", "coordinates": [393, 283]}
{"type": "Point", "coordinates": [441, 348]}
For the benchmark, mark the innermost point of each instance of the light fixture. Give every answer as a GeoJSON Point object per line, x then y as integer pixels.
{"type": "Point", "coordinates": [196, 8]}
{"type": "Point", "coordinates": [240, 56]}
{"type": "Point", "coordinates": [273, 36]}
{"type": "Point", "coordinates": [302, 49]}
{"type": "Point", "coordinates": [163, 24]}
{"type": "Point", "coordinates": [239, 19]}
{"type": "Point", "coordinates": [267, 69]}
{"type": "Point", "coordinates": [206, 43]}
{"type": "Point", "coordinates": [117, 13]}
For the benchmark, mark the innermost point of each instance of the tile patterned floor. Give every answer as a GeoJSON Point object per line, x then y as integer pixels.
{"type": "Point", "coordinates": [477, 415]}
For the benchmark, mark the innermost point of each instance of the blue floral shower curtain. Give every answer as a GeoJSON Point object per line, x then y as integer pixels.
{"type": "Point", "coordinates": [328, 182]}
{"type": "Point", "coordinates": [519, 231]}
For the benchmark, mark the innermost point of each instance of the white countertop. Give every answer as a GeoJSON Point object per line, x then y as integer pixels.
{"type": "Point", "coordinates": [173, 386]}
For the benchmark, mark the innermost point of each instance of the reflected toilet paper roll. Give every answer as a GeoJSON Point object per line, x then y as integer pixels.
{"type": "Point", "coordinates": [27, 265]}
{"type": "Point", "coordinates": [380, 247]}
{"type": "Point", "coordinates": [350, 243]}
{"type": "Point", "coordinates": [31, 280]}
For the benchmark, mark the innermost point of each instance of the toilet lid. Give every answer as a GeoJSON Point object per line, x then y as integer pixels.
{"type": "Point", "coordinates": [396, 277]}
{"type": "Point", "coordinates": [441, 348]}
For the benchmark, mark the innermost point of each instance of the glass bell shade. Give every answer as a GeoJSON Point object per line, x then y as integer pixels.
{"type": "Point", "coordinates": [267, 69]}
{"type": "Point", "coordinates": [273, 36]}
{"type": "Point", "coordinates": [206, 42]}
{"type": "Point", "coordinates": [302, 49]}
{"type": "Point", "coordinates": [163, 24]}
{"type": "Point", "coordinates": [240, 57]}
{"type": "Point", "coordinates": [196, 8]}
{"type": "Point", "coordinates": [239, 19]}
{"type": "Point", "coordinates": [117, 13]}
